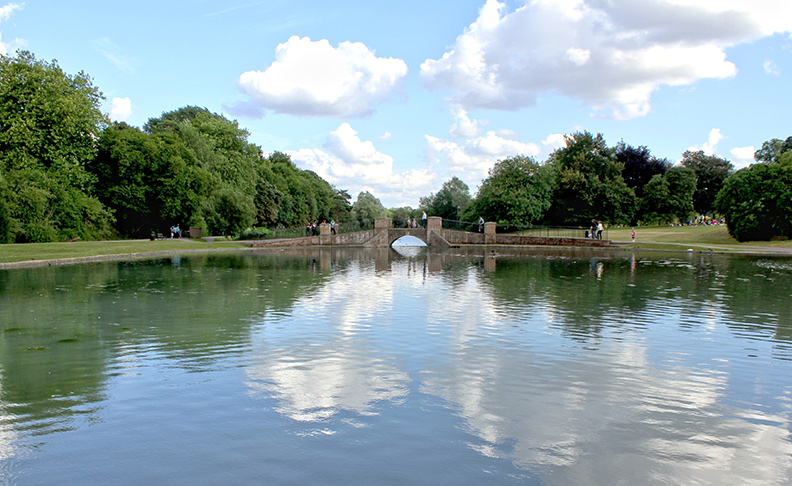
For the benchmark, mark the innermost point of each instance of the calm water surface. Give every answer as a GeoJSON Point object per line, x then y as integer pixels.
{"type": "Point", "coordinates": [380, 367]}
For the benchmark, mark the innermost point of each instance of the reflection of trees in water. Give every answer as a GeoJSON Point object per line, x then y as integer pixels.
{"type": "Point", "coordinates": [590, 292]}
{"type": "Point", "coordinates": [65, 330]}
{"type": "Point", "coordinates": [324, 364]}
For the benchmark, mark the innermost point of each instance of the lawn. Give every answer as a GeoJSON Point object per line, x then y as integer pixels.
{"type": "Point", "coordinates": [714, 237]}
{"type": "Point", "coordinates": [21, 252]}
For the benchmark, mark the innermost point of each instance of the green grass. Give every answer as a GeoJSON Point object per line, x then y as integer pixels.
{"type": "Point", "coordinates": [21, 252]}
{"type": "Point", "coordinates": [647, 237]}
{"type": "Point", "coordinates": [697, 237]}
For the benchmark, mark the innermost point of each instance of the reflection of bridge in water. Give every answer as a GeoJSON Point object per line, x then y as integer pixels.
{"type": "Point", "coordinates": [384, 234]}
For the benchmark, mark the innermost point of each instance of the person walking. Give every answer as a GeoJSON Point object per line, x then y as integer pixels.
{"type": "Point", "coordinates": [423, 219]}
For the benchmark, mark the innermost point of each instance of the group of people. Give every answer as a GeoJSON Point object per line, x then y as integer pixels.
{"type": "Point", "coordinates": [175, 231]}
{"type": "Point", "coordinates": [312, 229]}
{"type": "Point", "coordinates": [595, 230]}
{"type": "Point", "coordinates": [413, 222]}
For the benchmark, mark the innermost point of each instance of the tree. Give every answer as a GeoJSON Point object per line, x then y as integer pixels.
{"type": "Point", "coordinates": [639, 166]}
{"type": "Point", "coordinates": [668, 198]}
{"type": "Point", "coordinates": [48, 126]}
{"type": "Point", "coordinates": [450, 201]}
{"type": "Point", "coordinates": [711, 173]}
{"type": "Point", "coordinates": [367, 208]}
{"type": "Point", "coordinates": [756, 202]}
{"type": "Point", "coordinates": [229, 212]}
{"type": "Point", "coordinates": [150, 181]}
{"type": "Point", "coordinates": [589, 183]}
{"type": "Point", "coordinates": [517, 191]}
{"type": "Point", "coordinates": [773, 149]}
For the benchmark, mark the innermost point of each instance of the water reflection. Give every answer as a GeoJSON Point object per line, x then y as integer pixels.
{"type": "Point", "coordinates": [318, 362]}
{"type": "Point", "coordinates": [562, 367]}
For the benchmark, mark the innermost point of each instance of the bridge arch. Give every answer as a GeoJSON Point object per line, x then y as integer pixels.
{"type": "Point", "coordinates": [399, 233]}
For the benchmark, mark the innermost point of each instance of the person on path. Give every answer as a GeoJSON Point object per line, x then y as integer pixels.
{"type": "Point", "coordinates": [600, 229]}
{"type": "Point", "coordinates": [423, 219]}
{"type": "Point", "coordinates": [332, 227]}
{"type": "Point", "coordinates": [633, 235]}
{"type": "Point", "coordinates": [481, 224]}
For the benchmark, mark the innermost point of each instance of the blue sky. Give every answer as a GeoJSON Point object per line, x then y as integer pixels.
{"type": "Point", "coordinates": [397, 97]}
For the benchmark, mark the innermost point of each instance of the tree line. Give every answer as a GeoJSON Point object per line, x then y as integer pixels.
{"type": "Point", "coordinates": [624, 185]}
{"type": "Point", "coordinates": [67, 172]}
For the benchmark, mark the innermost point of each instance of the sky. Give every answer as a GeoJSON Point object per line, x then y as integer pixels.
{"type": "Point", "coordinates": [396, 98]}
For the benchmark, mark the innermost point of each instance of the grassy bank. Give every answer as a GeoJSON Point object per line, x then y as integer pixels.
{"type": "Point", "coordinates": [53, 251]}
{"type": "Point", "coordinates": [696, 237]}
{"type": "Point", "coordinates": [715, 238]}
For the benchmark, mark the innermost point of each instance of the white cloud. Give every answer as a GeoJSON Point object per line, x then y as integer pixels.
{"type": "Point", "coordinates": [120, 109]}
{"type": "Point", "coordinates": [463, 126]}
{"type": "Point", "coordinates": [610, 54]}
{"type": "Point", "coordinates": [347, 162]}
{"type": "Point", "coordinates": [386, 136]}
{"type": "Point", "coordinates": [770, 67]}
{"type": "Point", "coordinates": [472, 160]}
{"type": "Point", "coordinates": [742, 157]}
{"type": "Point", "coordinates": [554, 141]}
{"type": "Point", "coordinates": [316, 79]}
{"type": "Point", "coordinates": [711, 145]}
{"type": "Point", "coordinates": [112, 53]}
{"type": "Point", "coordinates": [5, 13]}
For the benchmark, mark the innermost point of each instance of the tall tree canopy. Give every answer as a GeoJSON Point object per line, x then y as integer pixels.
{"type": "Point", "coordinates": [589, 183]}
{"type": "Point", "coordinates": [756, 202]}
{"type": "Point", "coordinates": [517, 191]}
{"type": "Point", "coordinates": [450, 201]}
{"type": "Point", "coordinates": [150, 181]}
{"type": "Point", "coordinates": [639, 166]}
{"type": "Point", "coordinates": [367, 208]}
{"type": "Point", "coordinates": [711, 173]}
{"type": "Point", "coordinates": [48, 126]}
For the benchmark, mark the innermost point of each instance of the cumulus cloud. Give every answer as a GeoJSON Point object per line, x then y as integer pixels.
{"type": "Point", "coordinates": [347, 162]}
{"type": "Point", "coordinates": [463, 126]}
{"type": "Point", "coordinates": [314, 78]}
{"type": "Point", "coordinates": [5, 13]}
{"type": "Point", "coordinates": [742, 157]}
{"type": "Point", "coordinates": [120, 109]}
{"type": "Point", "coordinates": [711, 145]}
{"type": "Point", "coordinates": [472, 160]}
{"type": "Point", "coordinates": [610, 54]}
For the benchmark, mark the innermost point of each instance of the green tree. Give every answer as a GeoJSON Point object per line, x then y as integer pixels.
{"type": "Point", "coordinates": [773, 149]}
{"type": "Point", "coordinates": [639, 166]}
{"type": "Point", "coordinates": [450, 201]}
{"type": "Point", "coordinates": [229, 212]}
{"type": "Point", "coordinates": [367, 208]}
{"type": "Point", "coordinates": [150, 181]}
{"type": "Point", "coordinates": [589, 183]}
{"type": "Point", "coordinates": [711, 173]}
{"type": "Point", "coordinates": [48, 126]}
{"type": "Point", "coordinates": [517, 191]}
{"type": "Point", "coordinates": [668, 198]}
{"type": "Point", "coordinates": [756, 202]}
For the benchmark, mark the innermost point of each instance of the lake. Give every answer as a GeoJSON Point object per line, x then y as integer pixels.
{"type": "Point", "coordinates": [352, 366]}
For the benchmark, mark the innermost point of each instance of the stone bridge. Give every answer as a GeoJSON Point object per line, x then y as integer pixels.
{"type": "Point", "coordinates": [384, 234]}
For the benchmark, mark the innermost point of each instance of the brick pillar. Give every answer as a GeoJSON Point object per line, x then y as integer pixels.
{"type": "Point", "coordinates": [489, 233]}
{"type": "Point", "coordinates": [434, 223]}
{"type": "Point", "coordinates": [325, 238]}
{"type": "Point", "coordinates": [383, 223]}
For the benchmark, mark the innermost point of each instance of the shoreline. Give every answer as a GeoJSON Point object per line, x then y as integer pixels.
{"type": "Point", "coordinates": [620, 246]}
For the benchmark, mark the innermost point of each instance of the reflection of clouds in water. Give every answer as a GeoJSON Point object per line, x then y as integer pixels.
{"type": "Point", "coordinates": [328, 366]}
{"type": "Point", "coordinates": [7, 435]}
{"type": "Point", "coordinates": [632, 419]}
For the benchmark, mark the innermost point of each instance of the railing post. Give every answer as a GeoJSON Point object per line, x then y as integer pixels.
{"type": "Point", "coordinates": [489, 233]}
